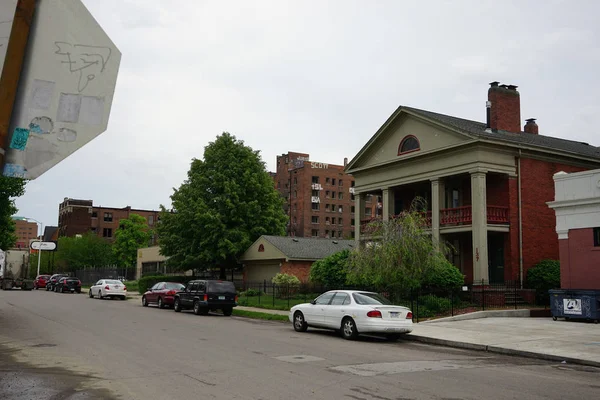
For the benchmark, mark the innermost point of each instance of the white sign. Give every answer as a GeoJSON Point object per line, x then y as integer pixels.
{"type": "Point", "coordinates": [43, 245]}
{"type": "Point", "coordinates": [572, 306]}
{"type": "Point", "coordinates": [319, 165]}
{"type": "Point", "coordinates": [66, 88]}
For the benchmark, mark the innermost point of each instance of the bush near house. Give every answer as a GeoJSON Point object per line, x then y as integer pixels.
{"type": "Point", "coordinates": [443, 275]}
{"type": "Point", "coordinates": [544, 276]}
{"type": "Point", "coordinates": [331, 271]}
{"type": "Point", "coordinates": [287, 284]}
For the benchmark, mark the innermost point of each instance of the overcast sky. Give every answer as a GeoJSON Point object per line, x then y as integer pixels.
{"type": "Point", "coordinates": [314, 76]}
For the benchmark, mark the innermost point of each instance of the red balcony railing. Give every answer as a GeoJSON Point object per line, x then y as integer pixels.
{"type": "Point", "coordinates": [497, 215]}
{"type": "Point", "coordinates": [456, 216]}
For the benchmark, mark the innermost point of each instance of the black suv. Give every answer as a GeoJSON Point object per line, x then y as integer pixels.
{"type": "Point", "coordinates": [51, 283]}
{"type": "Point", "coordinates": [203, 296]}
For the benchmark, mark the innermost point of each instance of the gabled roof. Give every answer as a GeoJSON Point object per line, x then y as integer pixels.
{"type": "Point", "coordinates": [298, 248]}
{"type": "Point", "coordinates": [477, 130]}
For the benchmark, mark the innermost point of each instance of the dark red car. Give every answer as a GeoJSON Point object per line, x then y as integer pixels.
{"type": "Point", "coordinates": [40, 281]}
{"type": "Point", "coordinates": [162, 294]}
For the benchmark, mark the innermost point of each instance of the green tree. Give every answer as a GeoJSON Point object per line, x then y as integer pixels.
{"type": "Point", "coordinates": [133, 234]}
{"type": "Point", "coordinates": [227, 202]}
{"type": "Point", "coordinates": [331, 271]}
{"type": "Point", "coordinates": [87, 251]}
{"type": "Point", "coordinates": [401, 255]}
{"type": "Point", "coordinates": [10, 188]}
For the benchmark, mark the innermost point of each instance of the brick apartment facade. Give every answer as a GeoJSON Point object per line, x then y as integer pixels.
{"type": "Point", "coordinates": [486, 183]}
{"type": "Point", "coordinates": [319, 197]}
{"type": "Point", "coordinates": [25, 231]}
{"type": "Point", "coordinates": [76, 217]}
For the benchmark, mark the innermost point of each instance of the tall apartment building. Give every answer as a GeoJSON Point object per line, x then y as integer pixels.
{"type": "Point", "coordinates": [25, 231]}
{"type": "Point", "coordinates": [319, 197]}
{"type": "Point", "coordinates": [76, 217]}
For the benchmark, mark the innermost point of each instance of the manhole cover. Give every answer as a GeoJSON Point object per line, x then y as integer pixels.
{"type": "Point", "coordinates": [298, 358]}
{"type": "Point", "coordinates": [44, 345]}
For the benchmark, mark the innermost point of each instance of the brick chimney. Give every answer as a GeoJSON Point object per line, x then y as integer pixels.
{"type": "Point", "coordinates": [531, 126]}
{"type": "Point", "coordinates": [504, 108]}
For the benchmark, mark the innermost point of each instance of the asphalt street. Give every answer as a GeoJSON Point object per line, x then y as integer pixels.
{"type": "Point", "coordinates": [67, 346]}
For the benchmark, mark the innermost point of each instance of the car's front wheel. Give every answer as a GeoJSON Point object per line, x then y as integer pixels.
{"type": "Point", "coordinates": [177, 305]}
{"type": "Point", "coordinates": [300, 324]}
{"type": "Point", "coordinates": [144, 301]}
{"type": "Point", "coordinates": [160, 303]}
{"type": "Point", "coordinates": [349, 331]}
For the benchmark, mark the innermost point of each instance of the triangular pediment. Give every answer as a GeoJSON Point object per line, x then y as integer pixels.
{"type": "Point", "coordinates": [262, 249]}
{"type": "Point", "coordinates": [384, 146]}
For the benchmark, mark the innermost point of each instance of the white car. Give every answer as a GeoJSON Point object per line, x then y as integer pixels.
{"type": "Point", "coordinates": [353, 312]}
{"type": "Point", "coordinates": [108, 288]}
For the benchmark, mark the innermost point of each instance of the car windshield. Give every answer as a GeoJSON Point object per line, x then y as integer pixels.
{"type": "Point", "coordinates": [108, 282]}
{"type": "Point", "coordinates": [221, 287]}
{"type": "Point", "coordinates": [176, 286]}
{"type": "Point", "coordinates": [365, 298]}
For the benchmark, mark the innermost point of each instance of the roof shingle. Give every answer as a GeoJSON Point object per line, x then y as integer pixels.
{"type": "Point", "coordinates": [308, 248]}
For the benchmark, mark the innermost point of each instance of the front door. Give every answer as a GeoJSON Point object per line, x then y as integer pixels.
{"type": "Point", "coordinates": [496, 257]}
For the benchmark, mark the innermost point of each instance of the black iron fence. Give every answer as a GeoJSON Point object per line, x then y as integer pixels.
{"type": "Point", "coordinates": [425, 303]}
{"type": "Point", "coordinates": [92, 275]}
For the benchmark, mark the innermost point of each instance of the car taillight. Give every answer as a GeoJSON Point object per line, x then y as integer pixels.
{"type": "Point", "coordinates": [374, 314]}
{"type": "Point", "coordinates": [205, 297]}
{"type": "Point", "coordinates": [107, 287]}
{"type": "Point", "coordinates": [78, 283]}
{"type": "Point", "coordinates": [124, 287]}
{"type": "Point", "coordinates": [409, 315]}
{"type": "Point", "coordinates": [171, 292]}
{"type": "Point", "coordinates": [236, 299]}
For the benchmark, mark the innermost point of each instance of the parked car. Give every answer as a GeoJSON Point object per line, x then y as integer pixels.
{"type": "Point", "coordinates": [203, 296]}
{"type": "Point", "coordinates": [40, 281]}
{"type": "Point", "coordinates": [352, 313]}
{"type": "Point", "coordinates": [162, 294]}
{"type": "Point", "coordinates": [50, 283]}
{"type": "Point", "coordinates": [68, 284]}
{"type": "Point", "coordinates": [110, 288]}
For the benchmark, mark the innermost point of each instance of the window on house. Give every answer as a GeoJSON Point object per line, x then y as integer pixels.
{"type": "Point", "coordinates": [327, 233]}
{"type": "Point", "coordinates": [352, 234]}
{"type": "Point", "coordinates": [108, 217]}
{"type": "Point", "coordinates": [94, 214]}
{"type": "Point", "coordinates": [332, 234]}
{"type": "Point", "coordinates": [151, 220]}
{"type": "Point", "coordinates": [340, 221]}
{"type": "Point", "coordinates": [315, 219]}
{"type": "Point", "coordinates": [333, 220]}
{"type": "Point", "coordinates": [327, 193]}
{"type": "Point", "coordinates": [294, 219]}
{"type": "Point", "coordinates": [295, 193]}
{"type": "Point", "coordinates": [352, 197]}
{"type": "Point", "coordinates": [340, 182]}
{"type": "Point", "coordinates": [368, 212]}
{"type": "Point", "coordinates": [315, 206]}
{"type": "Point", "coordinates": [94, 230]}
{"type": "Point", "coordinates": [107, 232]}
{"type": "Point", "coordinates": [352, 183]}
{"type": "Point", "coordinates": [326, 207]}
{"type": "Point", "coordinates": [315, 233]}
{"type": "Point", "coordinates": [341, 209]}
{"type": "Point", "coordinates": [333, 181]}
{"type": "Point", "coordinates": [315, 179]}
{"type": "Point", "coordinates": [340, 196]}
{"type": "Point", "coordinates": [340, 234]}
{"type": "Point", "coordinates": [369, 198]}
{"type": "Point", "coordinates": [352, 209]}
{"type": "Point", "coordinates": [408, 144]}
{"type": "Point", "coordinates": [295, 180]}
{"type": "Point", "coordinates": [315, 193]}
{"type": "Point", "coordinates": [352, 222]}
{"type": "Point", "coordinates": [596, 237]}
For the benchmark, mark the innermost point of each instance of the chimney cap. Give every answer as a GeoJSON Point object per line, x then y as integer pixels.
{"type": "Point", "coordinates": [494, 84]}
{"type": "Point", "coordinates": [531, 120]}
{"type": "Point", "coordinates": [512, 87]}
{"type": "Point", "coordinates": [504, 86]}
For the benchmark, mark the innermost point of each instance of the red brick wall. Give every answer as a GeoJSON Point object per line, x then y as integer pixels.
{"type": "Point", "coordinates": [497, 190]}
{"type": "Point", "coordinates": [540, 240]}
{"type": "Point", "coordinates": [300, 269]}
{"type": "Point", "coordinates": [506, 109]}
{"type": "Point", "coordinates": [579, 261]}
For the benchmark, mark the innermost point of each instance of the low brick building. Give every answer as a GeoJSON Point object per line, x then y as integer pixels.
{"type": "Point", "coordinates": [77, 217]}
{"type": "Point", "coordinates": [270, 255]}
{"type": "Point", "coordinates": [577, 208]}
{"type": "Point", "coordinates": [486, 183]}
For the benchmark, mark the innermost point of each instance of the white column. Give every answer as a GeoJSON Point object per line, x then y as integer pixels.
{"type": "Point", "coordinates": [359, 212]}
{"type": "Point", "coordinates": [479, 227]}
{"type": "Point", "coordinates": [388, 203]}
{"type": "Point", "coordinates": [435, 211]}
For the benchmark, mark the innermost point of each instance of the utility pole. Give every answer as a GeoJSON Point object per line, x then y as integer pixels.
{"type": "Point", "coordinates": [11, 71]}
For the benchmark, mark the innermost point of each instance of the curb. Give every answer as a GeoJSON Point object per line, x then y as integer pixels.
{"type": "Point", "coordinates": [522, 313]}
{"type": "Point", "coordinates": [499, 350]}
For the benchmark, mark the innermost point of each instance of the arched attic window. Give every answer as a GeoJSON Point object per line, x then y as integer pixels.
{"type": "Point", "coordinates": [261, 248]}
{"type": "Point", "coordinates": [408, 145]}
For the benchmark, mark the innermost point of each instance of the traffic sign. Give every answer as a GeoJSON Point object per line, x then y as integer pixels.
{"type": "Point", "coordinates": [43, 246]}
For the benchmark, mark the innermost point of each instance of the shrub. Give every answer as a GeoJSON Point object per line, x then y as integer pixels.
{"type": "Point", "coordinates": [435, 305]}
{"type": "Point", "coordinates": [444, 275]}
{"type": "Point", "coordinates": [252, 293]}
{"type": "Point", "coordinates": [286, 284]}
{"type": "Point", "coordinates": [331, 271]}
{"type": "Point", "coordinates": [149, 281]}
{"type": "Point", "coordinates": [544, 276]}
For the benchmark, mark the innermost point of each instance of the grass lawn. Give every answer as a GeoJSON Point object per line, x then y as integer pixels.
{"type": "Point", "coordinates": [273, 302]}
{"type": "Point", "coordinates": [259, 315]}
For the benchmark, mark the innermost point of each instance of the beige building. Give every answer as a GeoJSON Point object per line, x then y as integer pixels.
{"type": "Point", "coordinates": [150, 262]}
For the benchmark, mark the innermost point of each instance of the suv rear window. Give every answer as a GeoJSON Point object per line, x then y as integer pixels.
{"type": "Point", "coordinates": [221, 287]}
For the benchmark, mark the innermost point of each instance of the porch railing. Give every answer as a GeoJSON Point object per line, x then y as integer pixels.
{"type": "Point", "coordinates": [497, 215]}
{"type": "Point", "coordinates": [455, 216]}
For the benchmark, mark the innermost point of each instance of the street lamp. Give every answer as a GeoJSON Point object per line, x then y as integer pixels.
{"type": "Point", "coordinates": [39, 240]}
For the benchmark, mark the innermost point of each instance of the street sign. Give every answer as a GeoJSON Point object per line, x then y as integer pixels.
{"type": "Point", "coordinates": [66, 88]}
{"type": "Point", "coordinates": [43, 246]}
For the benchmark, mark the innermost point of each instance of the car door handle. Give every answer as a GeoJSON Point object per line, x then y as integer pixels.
{"type": "Point", "coordinates": [342, 310]}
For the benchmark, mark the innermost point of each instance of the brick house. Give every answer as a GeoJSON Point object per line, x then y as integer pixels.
{"type": "Point", "coordinates": [270, 255]}
{"type": "Point", "coordinates": [486, 183]}
{"type": "Point", "coordinates": [319, 197]}
{"type": "Point", "coordinates": [76, 217]}
{"type": "Point", "coordinates": [577, 208]}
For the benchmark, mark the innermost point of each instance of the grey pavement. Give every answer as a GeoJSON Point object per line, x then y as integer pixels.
{"type": "Point", "coordinates": [62, 346]}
